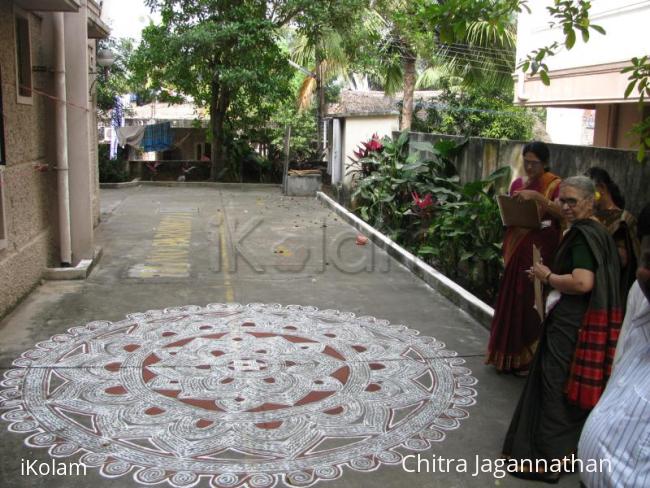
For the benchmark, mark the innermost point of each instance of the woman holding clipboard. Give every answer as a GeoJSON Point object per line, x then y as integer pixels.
{"type": "Point", "coordinates": [516, 325]}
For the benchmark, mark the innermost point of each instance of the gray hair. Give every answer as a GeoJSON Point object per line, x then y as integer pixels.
{"type": "Point", "coordinates": [582, 183]}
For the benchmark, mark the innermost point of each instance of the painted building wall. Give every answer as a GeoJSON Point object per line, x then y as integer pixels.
{"type": "Point", "coordinates": [570, 126]}
{"type": "Point", "coordinates": [29, 193]}
{"type": "Point", "coordinates": [590, 72]}
{"type": "Point", "coordinates": [29, 177]}
{"type": "Point", "coordinates": [625, 22]}
{"type": "Point", "coordinates": [186, 141]}
{"type": "Point", "coordinates": [359, 129]}
{"type": "Point", "coordinates": [613, 124]}
{"type": "Point", "coordinates": [589, 75]}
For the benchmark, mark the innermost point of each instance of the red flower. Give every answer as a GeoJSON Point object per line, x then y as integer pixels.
{"type": "Point", "coordinates": [422, 203]}
{"type": "Point", "coordinates": [374, 144]}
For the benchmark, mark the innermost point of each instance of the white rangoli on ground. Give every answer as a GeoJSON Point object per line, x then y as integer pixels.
{"type": "Point", "coordinates": [238, 395]}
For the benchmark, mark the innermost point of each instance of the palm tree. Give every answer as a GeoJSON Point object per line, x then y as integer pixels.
{"type": "Point", "coordinates": [329, 60]}
{"type": "Point", "coordinates": [483, 53]}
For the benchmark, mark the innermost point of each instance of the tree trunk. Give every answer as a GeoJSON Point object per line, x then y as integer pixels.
{"type": "Point", "coordinates": [218, 107]}
{"type": "Point", "coordinates": [408, 65]}
{"type": "Point", "coordinates": [320, 102]}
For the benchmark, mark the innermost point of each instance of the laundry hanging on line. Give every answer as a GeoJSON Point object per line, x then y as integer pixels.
{"type": "Point", "coordinates": [157, 137]}
{"type": "Point", "coordinates": [152, 137]}
{"type": "Point", "coordinates": [131, 135]}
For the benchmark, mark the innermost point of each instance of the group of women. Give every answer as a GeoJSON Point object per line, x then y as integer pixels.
{"type": "Point", "coordinates": [588, 248]}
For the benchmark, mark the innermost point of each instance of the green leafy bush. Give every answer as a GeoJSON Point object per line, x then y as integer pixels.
{"type": "Point", "coordinates": [475, 112]}
{"type": "Point", "coordinates": [421, 204]}
{"type": "Point", "coordinates": [110, 170]}
{"type": "Point", "coordinates": [465, 236]}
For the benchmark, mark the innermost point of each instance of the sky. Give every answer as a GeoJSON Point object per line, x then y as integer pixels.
{"type": "Point", "coordinates": [126, 18]}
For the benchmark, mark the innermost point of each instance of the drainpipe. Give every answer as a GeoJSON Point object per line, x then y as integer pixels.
{"type": "Point", "coordinates": [61, 136]}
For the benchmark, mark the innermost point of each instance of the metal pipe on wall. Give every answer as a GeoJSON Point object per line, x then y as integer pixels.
{"type": "Point", "coordinates": [61, 135]}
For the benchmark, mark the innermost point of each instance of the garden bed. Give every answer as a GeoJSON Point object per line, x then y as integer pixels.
{"type": "Point", "coordinates": [420, 204]}
{"type": "Point", "coordinates": [458, 295]}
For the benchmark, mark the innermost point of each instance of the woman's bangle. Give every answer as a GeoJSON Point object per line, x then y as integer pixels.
{"type": "Point", "coordinates": [548, 277]}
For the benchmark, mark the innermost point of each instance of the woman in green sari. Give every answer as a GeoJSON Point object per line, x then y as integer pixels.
{"type": "Point", "coordinates": [575, 353]}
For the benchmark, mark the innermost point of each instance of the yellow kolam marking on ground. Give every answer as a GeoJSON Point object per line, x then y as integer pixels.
{"type": "Point", "coordinates": [230, 294]}
{"type": "Point", "coordinates": [170, 250]}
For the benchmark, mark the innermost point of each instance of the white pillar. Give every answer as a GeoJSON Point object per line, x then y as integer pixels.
{"type": "Point", "coordinates": [337, 150]}
{"type": "Point", "coordinates": [61, 131]}
{"type": "Point", "coordinates": [78, 113]}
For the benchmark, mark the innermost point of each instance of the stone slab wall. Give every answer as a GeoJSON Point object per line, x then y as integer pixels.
{"type": "Point", "coordinates": [479, 157]}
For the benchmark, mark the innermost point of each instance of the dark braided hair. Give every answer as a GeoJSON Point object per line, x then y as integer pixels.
{"type": "Point", "coordinates": [601, 177]}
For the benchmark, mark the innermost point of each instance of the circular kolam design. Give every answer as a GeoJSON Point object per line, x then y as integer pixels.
{"type": "Point", "coordinates": [236, 395]}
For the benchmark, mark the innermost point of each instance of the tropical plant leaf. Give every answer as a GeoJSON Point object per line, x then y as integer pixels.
{"type": "Point", "coordinates": [423, 146]}
{"type": "Point", "coordinates": [598, 29]}
{"type": "Point", "coordinates": [544, 77]}
{"type": "Point", "coordinates": [570, 39]}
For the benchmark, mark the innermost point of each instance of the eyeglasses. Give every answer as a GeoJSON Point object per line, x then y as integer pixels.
{"type": "Point", "coordinates": [530, 162]}
{"type": "Point", "coordinates": [570, 202]}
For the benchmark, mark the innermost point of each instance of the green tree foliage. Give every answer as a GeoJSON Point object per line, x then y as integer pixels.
{"type": "Point", "coordinates": [221, 53]}
{"type": "Point", "coordinates": [483, 56]}
{"type": "Point", "coordinates": [444, 37]}
{"type": "Point", "coordinates": [476, 112]}
{"type": "Point", "coordinates": [111, 170]}
{"type": "Point", "coordinates": [114, 81]}
{"type": "Point", "coordinates": [303, 128]}
{"type": "Point", "coordinates": [326, 42]}
{"type": "Point", "coordinates": [263, 125]}
{"type": "Point", "coordinates": [639, 77]}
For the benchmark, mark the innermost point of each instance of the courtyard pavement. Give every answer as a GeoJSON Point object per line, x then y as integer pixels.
{"type": "Point", "coordinates": [227, 395]}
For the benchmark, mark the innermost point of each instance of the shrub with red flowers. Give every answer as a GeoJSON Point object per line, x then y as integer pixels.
{"type": "Point", "coordinates": [421, 203]}
{"type": "Point", "coordinates": [364, 162]}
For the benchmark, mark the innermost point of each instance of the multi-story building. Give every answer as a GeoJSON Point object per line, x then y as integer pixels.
{"type": "Point", "coordinates": [49, 192]}
{"type": "Point", "coordinates": [589, 75]}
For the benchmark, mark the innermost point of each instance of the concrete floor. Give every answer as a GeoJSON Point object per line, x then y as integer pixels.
{"type": "Point", "coordinates": [293, 245]}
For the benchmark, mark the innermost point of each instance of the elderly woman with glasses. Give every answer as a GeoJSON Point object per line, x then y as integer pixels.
{"type": "Point", "coordinates": [576, 349]}
{"type": "Point", "coordinates": [516, 325]}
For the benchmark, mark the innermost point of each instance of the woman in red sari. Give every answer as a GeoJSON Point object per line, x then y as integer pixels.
{"type": "Point", "coordinates": [516, 325]}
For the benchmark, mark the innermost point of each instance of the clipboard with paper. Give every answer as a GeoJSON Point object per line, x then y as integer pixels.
{"type": "Point", "coordinates": [518, 213]}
